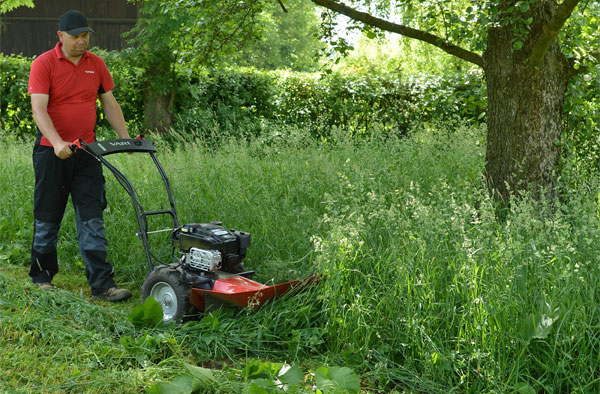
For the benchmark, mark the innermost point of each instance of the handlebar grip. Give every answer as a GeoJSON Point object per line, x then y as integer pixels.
{"type": "Point", "coordinates": [77, 144]}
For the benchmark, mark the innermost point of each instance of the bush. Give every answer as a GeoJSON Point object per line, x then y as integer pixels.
{"type": "Point", "coordinates": [357, 102]}
{"type": "Point", "coordinates": [581, 121]}
{"type": "Point", "coordinates": [443, 98]}
{"type": "Point", "coordinates": [128, 85]}
{"type": "Point", "coordinates": [15, 106]}
{"type": "Point", "coordinates": [240, 101]}
{"type": "Point", "coordinates": [249, 102]}
{"type": "Point", "coordinates": [233, 101]}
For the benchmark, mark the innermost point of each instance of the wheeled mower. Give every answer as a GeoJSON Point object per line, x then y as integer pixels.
{"type": "Point", "coordinates": [207, 268]}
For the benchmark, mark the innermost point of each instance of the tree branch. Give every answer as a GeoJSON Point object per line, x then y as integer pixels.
{"type": "Point", "coordinates": [282, 6]}
{"type": "Point", "coordinates": [382, 24]}
{"type": "Point", "coordinates": [548, 35]}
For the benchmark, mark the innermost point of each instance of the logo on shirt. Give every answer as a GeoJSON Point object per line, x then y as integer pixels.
{"type": "Point", "coordinates": [89, 72]}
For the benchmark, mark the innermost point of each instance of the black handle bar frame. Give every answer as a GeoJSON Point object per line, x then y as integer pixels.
{"type": "Point", "coordinates": [138, 145]}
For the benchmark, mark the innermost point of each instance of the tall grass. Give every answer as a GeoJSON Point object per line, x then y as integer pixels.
{"type": "Point", "coordinates": [423, 289]}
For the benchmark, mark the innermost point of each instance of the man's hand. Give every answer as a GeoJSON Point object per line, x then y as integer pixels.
{"type": "Point", "coordinates": [63, 150]}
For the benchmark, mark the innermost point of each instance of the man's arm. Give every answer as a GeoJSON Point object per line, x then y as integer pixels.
{"type": "Point", "coordinates": [114, 114]}
{"type": "Point", "coordinates": [39, 107]}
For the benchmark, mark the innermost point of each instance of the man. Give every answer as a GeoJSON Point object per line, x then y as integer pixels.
{"type": "Point", "coordinates": [64, 84]}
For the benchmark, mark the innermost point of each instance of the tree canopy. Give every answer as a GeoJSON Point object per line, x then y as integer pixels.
{"type": "Point", "coordinates": [460, 27]}
{"type": "Point", "coordinates": [289, 39]}
{"type": "Point", "coordinates": [529, 51]}
{"type": "Point", "coordinates": [9, 5]}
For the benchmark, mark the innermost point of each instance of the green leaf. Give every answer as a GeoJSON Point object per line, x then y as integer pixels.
{"type": "Point", "coordinates": [291, 375]}
{"type": "Point", "coordinates": [539, 325]}
{"type": "Point", "coordinates": [262, 386]}
{"type": "Point", "coordinates": [9, 5]}
{"type": "Point", "coordinates": [352, 357]}
{"type": "Point", "coordinates": [518, 45]}
{"type": "Point", "coordinates": [524, 6]}
{"type": "Point", "coordinates": [148, 314]}
{"type": "Point", "coordinates": [345, 378]}
{"type": "Point", "coordinates": [253, 370]}
{"type": "Point", "coordinates": [544, 326]}
{"type": "Point", "coordinates": [337, 380]}
{"type": "Point", "coordinates": [183, 384]}
{"type": "Point", "coordinates": [204, 375]}
{"type": "Point", "coordinates": [323, 381]}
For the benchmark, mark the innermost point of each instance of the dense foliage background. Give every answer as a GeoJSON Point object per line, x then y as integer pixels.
{"type": "Point", "coordinates": [248, 100]}
{"type": "Point", "coordinates": [359, 99]}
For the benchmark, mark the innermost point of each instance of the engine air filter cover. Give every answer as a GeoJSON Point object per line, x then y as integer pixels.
{"type": "Point", "coordinates": [204, 260]}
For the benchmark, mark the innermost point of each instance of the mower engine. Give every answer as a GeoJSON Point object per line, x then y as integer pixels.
{"type": "Point", "coordinates": [208, 247]}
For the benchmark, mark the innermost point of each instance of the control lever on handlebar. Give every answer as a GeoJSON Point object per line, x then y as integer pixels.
{"type": "Point", "coordinates": [77, 144]}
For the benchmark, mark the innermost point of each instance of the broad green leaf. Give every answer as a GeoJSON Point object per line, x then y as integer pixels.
{"type": "Point", "coordinates": [544, 326]}
{"type": "Point", "coordinates": [253, 370]}
{"type": "Point", "coordinates": [539, 325]}
{"type": "Point", "coordinates": [262, 386]}
{"type": "Point", "coordinates": [204, 375]}
{"type": "Point", "coordinates": [256, 369]}
{"type": "Point", "coordinates": [149, 313]}
{"type": "Point", "coordinates": [345, 378]}
{"type": "Point", "coordinates": [324, 383]}
{"type": "Point", "coordinates": [291, 375]}
{"type": "Point", "coordinates": [183, 384]}
{"type": "Point", "coordinates": [337, 380]}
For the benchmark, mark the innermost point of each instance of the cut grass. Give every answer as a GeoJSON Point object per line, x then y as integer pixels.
{"type": "Point", "coordinates": [55, 341]}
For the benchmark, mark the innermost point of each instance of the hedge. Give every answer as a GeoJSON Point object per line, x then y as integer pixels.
{"type": "Point", "coordinates": [15, 106]}
{"type": "Point", "coordinates": [244, 100]}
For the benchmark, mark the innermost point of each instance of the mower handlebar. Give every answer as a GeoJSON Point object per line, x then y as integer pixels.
{"type": "Point", "coordinates": [76, 145]}
{"type": "Point", "coordinates": [109, 147]}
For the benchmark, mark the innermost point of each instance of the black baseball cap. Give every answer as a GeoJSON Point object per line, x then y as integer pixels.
{"type": "Point", "coordinates": [73, 22]}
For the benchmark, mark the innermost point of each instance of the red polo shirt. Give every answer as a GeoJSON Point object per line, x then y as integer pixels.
{"type": "Point", "coordinates": [73, 90]}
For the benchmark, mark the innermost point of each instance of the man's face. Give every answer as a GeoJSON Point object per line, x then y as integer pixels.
{"type": "Point", "coordinates": [74, 46]}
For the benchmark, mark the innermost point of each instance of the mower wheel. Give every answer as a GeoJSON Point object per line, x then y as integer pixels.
{"type": "Point", "coordinates": [164, 284]}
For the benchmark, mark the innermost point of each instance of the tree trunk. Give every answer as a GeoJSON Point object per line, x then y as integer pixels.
{"type": "Point", "coordinates": [157, 114]}
{"type": "Point", "coordinates": [524, 116]}
{"type": "Point", "coordinates": [158, 103]}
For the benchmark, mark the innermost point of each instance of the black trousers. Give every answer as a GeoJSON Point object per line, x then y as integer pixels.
{"type": "Point", "coordinates": [55, 179]}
